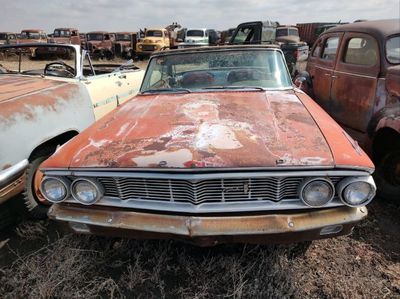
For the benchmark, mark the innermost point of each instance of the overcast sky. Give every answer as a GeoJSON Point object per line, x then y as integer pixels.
{"type": "Point", "coordinates": [129, 15]}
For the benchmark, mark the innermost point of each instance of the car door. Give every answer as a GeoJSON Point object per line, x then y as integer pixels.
{"type": "Point", "coordinates": [109, 90]}
{"type": "Point", "coordinates": [321, 67]}
{"type": "Point", "coordinates": [355, 80]}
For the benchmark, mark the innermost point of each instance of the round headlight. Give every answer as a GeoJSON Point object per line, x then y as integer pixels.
{"type": "Point", "coordinates": [317, 192]}
{"type": "Point", "coordinates": [54, 189]}
{"type": "Point", "coordinates": [140, 46]}
{"type": "Point", "coordinates": [358, 194]}
{"type": "Point", "coordinates": [86, 191]}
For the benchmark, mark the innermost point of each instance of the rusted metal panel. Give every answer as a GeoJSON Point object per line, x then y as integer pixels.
{"type": "Point", "coordinates": [214, 227]}
{"type": "Point", "coordinates": [345, 150]}
{"type": "Point", "coordinates": [215, 129]}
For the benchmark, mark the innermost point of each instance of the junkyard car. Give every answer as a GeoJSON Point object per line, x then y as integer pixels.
{"type": "Point", "coordinates": [44, 103]}
{"type": "Point", "coordinates": [125, 44]}
{"type": "Point", "coordinates": [199, 37]}
{"type": "Point", "coordinates": [217, 147]}
{"type": "Point", "coordinates": [354, 74]}
{"type": "Point", "coordinates": [100, 44]}
{"type": "Point", "coordinates": [8, 38]}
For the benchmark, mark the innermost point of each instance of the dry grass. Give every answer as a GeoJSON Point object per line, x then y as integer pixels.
{"type": "Point", "coordinates": [86, 266]}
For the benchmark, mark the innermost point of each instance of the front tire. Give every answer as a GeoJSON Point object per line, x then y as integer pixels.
{"type": "Point", "coordinates": [36, 208]}
{"type": "Point", "coordinates": [387, 177]}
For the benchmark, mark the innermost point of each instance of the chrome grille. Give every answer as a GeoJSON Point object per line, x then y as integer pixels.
{"type": "Point", "coordinates": [147, 47]}
{"type": "Point", "coordinates": [204, 191]}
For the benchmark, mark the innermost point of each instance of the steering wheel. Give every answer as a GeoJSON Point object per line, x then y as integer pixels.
{"type": "Point", "coordinates": [57, 67]}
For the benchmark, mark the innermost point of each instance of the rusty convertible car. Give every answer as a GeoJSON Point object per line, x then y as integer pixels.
{"type": "Point", "coordinates": [218, 146]}
{"type": "Point", "coordinates": [46, 102]}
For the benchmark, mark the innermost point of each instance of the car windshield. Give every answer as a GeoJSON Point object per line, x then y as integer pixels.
{"type": "Point", "coordinates": [62, 33]}
{"type": "Point", "coordinates": [153, 33]}
{"type": "Point", "coordinates": [41, 61]}
{"type": "Point", "coordinates": [195, 33]}
{"type": "Point", "coordinates": [94, 36]}
{"type": "Point", "coordinates": [30, 35]}
{"type": "Point", "coordinates": [393, 50]}
{"type": "Point", "coordinates": [218, 69]}
{"type": "Point", "coordinates": [123, 37]}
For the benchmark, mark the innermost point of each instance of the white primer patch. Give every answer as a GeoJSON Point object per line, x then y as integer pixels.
{"type": "Point", "coordinates": [217, 136]}
{"type": "Point", "coordinates": [174, 159]}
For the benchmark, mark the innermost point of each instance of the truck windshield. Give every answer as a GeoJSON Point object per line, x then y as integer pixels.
{"type": "Point", "coordinates": [94, 36]}
{"type": "Point", "coordinates": [195, 33]}
{"type": "Point", "coordinates": [3, 36]}
{"type": "Point", "coordinates": [30, 35]}
{"type": "Point", "coordinates": [123, 37]}
{"type": "Point", "coordinates": [393, 50]}
{"type": "Point", "coordinates": [218, 69]}
{"type": "Point", "coordinates": [62, 33]}
{"type": "Point", "coordinates": [153, 33]}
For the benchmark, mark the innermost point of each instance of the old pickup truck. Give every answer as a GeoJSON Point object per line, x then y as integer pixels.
{"type": "Point", "coordinates": [354, 73]}
{"type": "Point", "coordinates": [8, 38]}
{"type": "Point", "coordinates": [44, 103]}
{"type": "Point", "coordinates": [268, 32]}
{"type": "Point", "coordinates": [217, 147]}
{"type": "Point", "coordinates": [100, 44]}
{"type": "Point", "coordinates": [66, 36]}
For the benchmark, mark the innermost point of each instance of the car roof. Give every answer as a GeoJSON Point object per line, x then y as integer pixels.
{"type": "Point", "coordinates": [65, 28]}
{"type": "Point", "coordinates": [381, 29]}
{"type": "Point", "coordinates": [98, 32]}
{"type": "Point", "coordinates": [32, 30]}
{"type": "Point", "coordinates": [213, 48]}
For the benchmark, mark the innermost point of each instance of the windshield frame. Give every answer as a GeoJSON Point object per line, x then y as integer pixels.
{"type": "Point", "coordinates": [218, 88]}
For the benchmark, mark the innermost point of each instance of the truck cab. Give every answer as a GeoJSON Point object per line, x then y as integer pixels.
{"type": "Point", "coordinates": [66, 36]}
{"type": "Point", "coordinates": [33, 36]}
{"type": "Point", "coordinates": [155, 39]}
{"type": "Point", "coordinates": [125, 44]}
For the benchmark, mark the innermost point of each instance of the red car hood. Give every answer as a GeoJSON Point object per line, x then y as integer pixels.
{"type": "Point", "coordinates": [219, 129]}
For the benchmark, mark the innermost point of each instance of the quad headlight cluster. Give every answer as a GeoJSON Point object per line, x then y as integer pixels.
{"type": "Point", "coordinates": [352, 191]}
{"type": "Point", "coordinates": [87, 191]}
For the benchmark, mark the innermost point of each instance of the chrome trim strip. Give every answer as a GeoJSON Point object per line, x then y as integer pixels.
{"type": "Point", "coordinates": [212, 170]}
{"type": "Point", "coordinates": [8, 173]}
{"type": "Point", "coordinates": [222, 207]}
{"type": "Point", "coordinates": [203, 176]}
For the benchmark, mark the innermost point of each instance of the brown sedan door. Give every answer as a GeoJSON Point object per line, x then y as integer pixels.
{"type": "Point", "coordinates": [354, 81]}
{"type": "Point", "coordinates": [321, 67]}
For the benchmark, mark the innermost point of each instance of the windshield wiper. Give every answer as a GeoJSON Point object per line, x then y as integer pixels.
{"type": "Point", "coordinates": [167, 90]}
{"type": "Point", "coordinates": [235, 87]}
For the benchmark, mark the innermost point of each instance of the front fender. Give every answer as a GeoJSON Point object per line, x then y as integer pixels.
{"type": "Point", "coordinates": [388, 117]}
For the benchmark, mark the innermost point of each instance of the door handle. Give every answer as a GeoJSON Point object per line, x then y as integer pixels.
{"type": "Point", "coordinates": [334, 77]}
{"type": "Point", "coordinates": [327, 74]}
{"type": "Point", "coordinates": [122, 76]}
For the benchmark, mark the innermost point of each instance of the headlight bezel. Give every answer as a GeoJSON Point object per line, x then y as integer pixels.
{"type": "Point", "coordinates": [307, 181]}
{"type": "Point", "coordinates": [64, 181]}
{"type": "Point", "coordinates": [94, 182]}
{"type": "Point", "coordinates": [346, 182]}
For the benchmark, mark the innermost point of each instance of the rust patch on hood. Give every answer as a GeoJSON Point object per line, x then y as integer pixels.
{"type": "Point", "coordinates": [216, 129]}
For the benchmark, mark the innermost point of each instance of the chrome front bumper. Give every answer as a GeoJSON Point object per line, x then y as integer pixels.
{"type": "Point", "coordinates": [273, 227]}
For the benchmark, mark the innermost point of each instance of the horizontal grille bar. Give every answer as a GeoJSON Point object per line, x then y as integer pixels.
{"type": "Point", "coordinates": [204, 191]}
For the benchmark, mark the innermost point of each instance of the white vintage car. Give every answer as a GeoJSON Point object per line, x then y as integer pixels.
{"type": "Point", "coordinates": [47, 100]}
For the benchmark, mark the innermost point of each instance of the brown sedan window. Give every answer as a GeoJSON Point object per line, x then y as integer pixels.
{"type": "Point", "coordinates": [361, 51]}
{"type": "Point", "coordinates": [330, 48]}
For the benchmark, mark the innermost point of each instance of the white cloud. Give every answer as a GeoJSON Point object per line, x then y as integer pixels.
{"type": "Point", "coordinates": [115, 15]}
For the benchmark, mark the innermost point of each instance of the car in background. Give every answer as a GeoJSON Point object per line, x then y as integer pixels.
{"type": "Point", "coordinates": [100, 44]}
{"type": "Point", "coordinates": [155, 39]}
{"type": "Point", "coordinates": [66, 36]}
{"type": "Point", "coordinates": [265, 32]}
{"type": "Point", "coordinates": [8, 38]}
{"type": "Point", "coordinates": [32, 36]}
{"type": "Point", "coordinates": [46, 102]}
{"type": "Point", "coordinates": [125, 44]}
{"type": "Point", "coordinates": [353, 72]}
{"type": "Point", "coordinates": [217, 147]}
{"type": "Point", "coordinates": [200, 38]}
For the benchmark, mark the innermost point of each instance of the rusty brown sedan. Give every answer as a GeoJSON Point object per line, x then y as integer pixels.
{"type": "Point", "coordinates": [217, 147]}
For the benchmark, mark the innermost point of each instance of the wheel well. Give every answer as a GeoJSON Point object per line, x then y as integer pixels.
{"type": "Point", "coordinates": [52, 143]}
{"type": "Point", "coordinates": [385, 141]}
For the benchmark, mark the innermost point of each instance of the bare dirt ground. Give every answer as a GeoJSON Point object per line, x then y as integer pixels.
{"type": "Point", "coordinates": [38, 261]}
